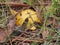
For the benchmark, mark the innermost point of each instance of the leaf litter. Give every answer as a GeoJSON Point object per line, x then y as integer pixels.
{"type": "Point", "coordinates": [39, 32]}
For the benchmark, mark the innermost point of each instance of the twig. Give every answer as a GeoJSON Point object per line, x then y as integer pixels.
{"type": "Point", "coordinates": [14, 4]}
{"type": "Point", "coordinates": [29, 40]}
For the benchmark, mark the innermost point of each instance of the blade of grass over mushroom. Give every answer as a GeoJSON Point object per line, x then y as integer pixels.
{"type": "Point", "coordinates": [28, 2]}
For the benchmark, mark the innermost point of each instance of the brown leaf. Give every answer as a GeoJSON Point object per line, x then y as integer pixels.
{"type": "Point", "coordinates": [2, 35]}
{"type": "Point", "coordinates": [49, 21]}
{"type": "Point", "coordinates": [10, 26]}
{"type": "Point", "coordinates": [45, 33]}
{"type": "Point", "coordinates": [55, 23]}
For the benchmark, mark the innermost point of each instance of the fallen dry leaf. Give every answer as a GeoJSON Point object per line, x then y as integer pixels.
{"type": "Point", "coordinates": [49, 21]}
{"type": "Point", "coordinates": [45, 33]}
{"type": "Point", "coordinates": [10, 26]}
{"type": "Point", "coordinates": [2, 35]}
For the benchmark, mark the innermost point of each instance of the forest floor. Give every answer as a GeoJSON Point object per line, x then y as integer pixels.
{"type": "Point", "coordinates": [33, 22]}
